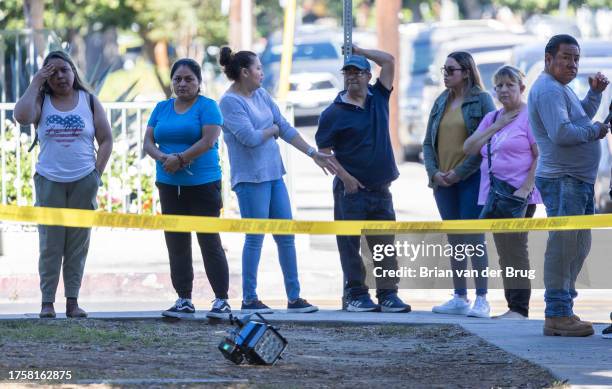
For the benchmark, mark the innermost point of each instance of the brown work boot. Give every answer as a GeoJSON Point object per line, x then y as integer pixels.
{"type": "Point", "coordinates": [47, 311]}
{"type": "Point", "coordinates": [566, 326]}
{"type": "Point", "coordinates": [577, 318]}
{"type": "Point", "coordinates": [73, 310]}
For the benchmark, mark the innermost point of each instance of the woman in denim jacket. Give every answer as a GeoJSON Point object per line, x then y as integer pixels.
{"type": "Point", "coordinates": [455, 116]}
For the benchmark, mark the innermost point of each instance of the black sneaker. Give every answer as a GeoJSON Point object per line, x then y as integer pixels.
{"type": "Point", "coordinates": [301, 306]}
{"type": "Point", "coordinates": [255, 306]}
{"type": "Point", "coordinates": [607, 332]}
{"type": "Point", "coordinates": [362, 304]}
{"type": "Point", "coordinates": [393, 303]}
{"type": "Point", "coordinates": [182, 309]}
{"type": "Point", "coordinates": [220, 309]}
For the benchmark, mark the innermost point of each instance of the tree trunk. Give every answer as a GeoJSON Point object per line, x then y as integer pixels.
{"type": "Point", "coordinates": [160, 61]}
{"type": "Point", "coordinates": [471, 9]}
{"type": "Point", "coordinates": [33, 11]}
{"type": "Point", "coordinates": [101, 56]}
{"type": "Point", "coordinates": [387, 21]}
{"type": "Point", "coordinates": [235, 27]}
{"type": "Point", "coordinates": [77, 49]}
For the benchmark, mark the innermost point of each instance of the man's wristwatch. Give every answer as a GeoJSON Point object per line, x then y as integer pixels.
{"type": "Point", "coordinates": [311, 151]}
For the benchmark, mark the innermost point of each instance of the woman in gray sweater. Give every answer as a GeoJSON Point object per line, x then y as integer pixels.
{"type": "Point", "coordinates": [252, 123]}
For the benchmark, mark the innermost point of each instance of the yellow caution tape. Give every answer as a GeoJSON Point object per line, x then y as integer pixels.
{"type": "Point", "coordinates": [86, 218]}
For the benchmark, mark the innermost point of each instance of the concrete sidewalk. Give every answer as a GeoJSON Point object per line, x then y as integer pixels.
{"type": "Point", "coordinates": [128, 271]}
{"type": "Point", "coordinates": [581, 361]}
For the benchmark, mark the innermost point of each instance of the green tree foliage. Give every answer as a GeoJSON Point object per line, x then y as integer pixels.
{"type": "Point", "coordinates": [179, 24]}
{"type": "Point", "coordinates": [163, 20]}
{"type": "Point", "coordinates": [269, 16]}
{"type": "Point", "coordinates": [544, 6]}
{"type": "Point", "coordinates": [11, 14]}
{"type": "Point", "coordinates": [159, 19]}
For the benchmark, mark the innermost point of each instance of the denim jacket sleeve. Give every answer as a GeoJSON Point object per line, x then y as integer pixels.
{"type": "Point", "coordinates": [429, 153]}
{"type": "Point", "coordinates": [472, 163]}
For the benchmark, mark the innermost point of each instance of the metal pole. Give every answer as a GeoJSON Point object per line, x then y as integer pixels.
{"type": "Point", "coordinates": [347, 21]}
{"type": "Point", "coordinates": [139, 161]}
{"type": "Point", "coordinates": [17, 67]}
{"type": "Point", "coordinates": [3, 153]}
{"type": "Point", "coordinates": [2, 70]}
{"type": "Point", "coordinates": [109, 172]}
{"type": "Point", "coordinates": [124, 175]}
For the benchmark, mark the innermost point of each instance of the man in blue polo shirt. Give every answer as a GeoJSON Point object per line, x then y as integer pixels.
{"type": "Point", "coordinates": [355, 127]}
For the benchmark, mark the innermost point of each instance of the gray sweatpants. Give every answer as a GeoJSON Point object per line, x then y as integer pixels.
{"type": "Point", "coordinates": [58, 243]}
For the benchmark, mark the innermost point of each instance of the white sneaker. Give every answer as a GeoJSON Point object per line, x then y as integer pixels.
{"type": "Point", "coordinates": [510, 315]}
{"type": "Point", "coordinates": [455, 306]}
{"type": "Point", "coordinates": [480, 308]}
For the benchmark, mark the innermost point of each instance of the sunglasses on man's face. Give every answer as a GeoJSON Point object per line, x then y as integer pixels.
{"type": "Point", "coordinates": [354, 72]}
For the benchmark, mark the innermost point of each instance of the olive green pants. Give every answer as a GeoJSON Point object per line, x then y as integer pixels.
{"type": "Point", "coordinates": [64, 248]}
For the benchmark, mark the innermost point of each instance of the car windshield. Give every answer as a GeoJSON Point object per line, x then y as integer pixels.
{"type": "Point", "coordinates": [301, 52]}
{"type": "Point", "coordinates": [487, 70]}
{"type": "Point", "coordinates": [527, 61]}
{"type": "Point", "coordinates": [422, 55]}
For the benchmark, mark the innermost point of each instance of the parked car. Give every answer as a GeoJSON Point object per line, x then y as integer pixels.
{"type": "Point", "coordinates": [548, 25]}
{"type": "Point", "coordinates": [603, 203]}
{"type": "Point", "coordinates": [317, 60]}
{"type": "Point", "coordinates": [315, 49]}
{"type": "Point", "coordinates": [490, 51]}
{"type": "Point", "coordinates": [580, 85]}
{"type": "Point", "coordinates": [311, 92]}
{"type": "Point", "coordinates": [525, 56]}
{"type": "Point", "coordinates": [420, 44]}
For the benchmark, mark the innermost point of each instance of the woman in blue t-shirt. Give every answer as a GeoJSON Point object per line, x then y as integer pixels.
{"type": "Point", "coordinates": [182, 137]}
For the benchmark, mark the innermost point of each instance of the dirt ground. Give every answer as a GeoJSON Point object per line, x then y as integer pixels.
{"type": "Point", "coordinates": [322, 355]}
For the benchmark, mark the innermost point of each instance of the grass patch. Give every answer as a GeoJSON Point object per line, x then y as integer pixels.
{"type": "Point", "coordinates": [80, 332]}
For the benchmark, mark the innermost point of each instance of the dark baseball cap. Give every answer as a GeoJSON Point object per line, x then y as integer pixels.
{"type": "Point", "coordinates": [358, 61]}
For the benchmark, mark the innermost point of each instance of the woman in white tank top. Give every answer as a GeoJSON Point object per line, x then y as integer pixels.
{"type": "Point", "coordinates": [68, 119]}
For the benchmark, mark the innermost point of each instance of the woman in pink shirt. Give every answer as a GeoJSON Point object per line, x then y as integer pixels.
{"type": "Point", "coordinates": [514, 156]}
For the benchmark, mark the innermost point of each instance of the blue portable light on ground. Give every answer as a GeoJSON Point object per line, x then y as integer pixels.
{"type": "Point", "coordinates": [255, 341]}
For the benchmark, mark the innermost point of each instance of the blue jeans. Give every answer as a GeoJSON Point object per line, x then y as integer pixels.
{"type": "Point", "coordinates": [363, 205]}
{"type": "Point", "coordinates": [460, 202]}
{"type": "Point", "coordinates": [266, 200]}
{"type": "Point", "coordinates": [565, 250]}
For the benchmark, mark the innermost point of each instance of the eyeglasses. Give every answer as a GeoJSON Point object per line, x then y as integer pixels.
{"type": "Point", "coordinates": [449, 70]}
{"type": "Point", "coordinates": [357, 73]}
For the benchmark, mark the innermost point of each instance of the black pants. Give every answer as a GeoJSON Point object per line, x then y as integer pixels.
{"type": "Point", "coordinates": [513, 252]}
{"type": "Point", "coordinates": [364, 205]}
{"type": "Point", "coordinates": [197, 200]}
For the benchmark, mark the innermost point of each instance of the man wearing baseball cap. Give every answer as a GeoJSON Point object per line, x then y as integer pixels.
{"type": "Point", "coordinates": [355, 127]}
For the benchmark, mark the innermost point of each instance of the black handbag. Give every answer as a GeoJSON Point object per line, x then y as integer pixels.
{"type": "Point", "coordinates": [501, 201]}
